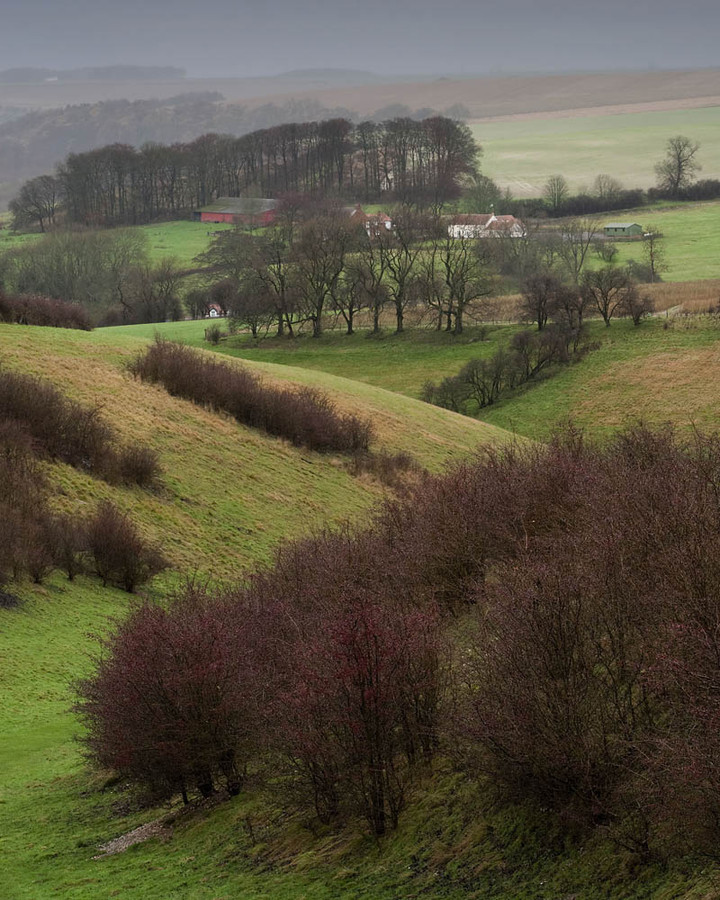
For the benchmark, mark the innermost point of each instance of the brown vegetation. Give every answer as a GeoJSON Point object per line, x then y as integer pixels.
{"type": "Point", "coordinates": [551, 614]}
{"type": "Point", "coordinates": [305, 416]}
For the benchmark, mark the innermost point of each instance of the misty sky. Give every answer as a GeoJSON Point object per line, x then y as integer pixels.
{"type": "Point", "coordinates": [253, 37]}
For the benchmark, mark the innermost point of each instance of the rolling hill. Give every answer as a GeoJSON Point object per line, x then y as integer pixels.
{"type": "Point", "coordinates": [229, 496]}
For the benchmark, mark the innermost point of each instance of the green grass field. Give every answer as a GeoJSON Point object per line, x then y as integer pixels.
{"type": "Point", "coordinates": [691, 238]}
{"type": "Point", "coordinates": [522, 154]}
{"type": "Point", "coordinates": [665, 370]}
{"type": "Point", "coordinates": [183, 240]}
{"type": "Point", "coordinates": [230, 495]}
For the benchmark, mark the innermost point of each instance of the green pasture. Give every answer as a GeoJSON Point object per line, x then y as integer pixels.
{"type": "Point", "coordinates": [691, 238]}
{"type": "Point", "coordinates": [183, 240]}
{"type": "Point", "coordinates": [665, 370]}
{"type": "Point", "coordinates": [521, 154]}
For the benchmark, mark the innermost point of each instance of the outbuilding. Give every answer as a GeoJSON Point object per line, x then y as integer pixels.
{"type": "Point", "coordinates": [623, 229]}
{"type": "Point", "coordinates": [238, 211]}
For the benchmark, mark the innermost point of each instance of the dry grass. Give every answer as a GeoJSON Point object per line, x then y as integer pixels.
{"type": "Point", "coordinates": [679, 387]}
{"type": "Point", "coordinates": [689, 297]}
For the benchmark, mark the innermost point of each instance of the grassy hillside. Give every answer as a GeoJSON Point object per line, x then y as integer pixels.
{"type": "Point", "coordinates": [230, 495]}
{"type": "Point", "coordinates": [691, 236]}
{"type": "Point", "coordinates": [522, 153]}
{"type": "Point", "coordinates": [665, 370]}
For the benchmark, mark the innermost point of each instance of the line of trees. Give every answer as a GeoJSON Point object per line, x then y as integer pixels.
{"type": "Point", "coordinates": [306, 417]}
{"type": "Point", "coordinates": [548, 618]}
{"type": "Point", "coordinates": [419, 161]}
{"type": "Point", "coordinates": [107, 273]}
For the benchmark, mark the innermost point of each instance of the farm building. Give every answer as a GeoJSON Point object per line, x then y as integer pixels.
{"type": "Point", "coordinates": [623, 229]}
{"type": "Point", "coordinates": [483, 226]}
{"type": "Point", "coordinates": [238, 211]}
{"type": "Point", "coordinates": [374, 223]}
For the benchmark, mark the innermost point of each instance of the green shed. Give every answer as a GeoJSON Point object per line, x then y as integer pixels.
{"type": "Point", "coordinates": [623, 229]}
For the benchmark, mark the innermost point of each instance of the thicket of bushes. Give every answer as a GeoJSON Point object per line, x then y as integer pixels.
{"type": "Point", "coordinates": [35, 540]}
{"type": "Point", "coordinates": [550, 618]}
{"type": "Point", "coordinates": [481, 382]}
{"type": "Point", "coordinates": [306, 416]}
{"type": "Point", "coordinates": [62, 429]}
{"type": "Point", "coordinates": [32, 309]}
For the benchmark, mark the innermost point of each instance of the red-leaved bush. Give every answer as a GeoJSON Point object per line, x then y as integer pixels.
{"type": "Point", "coordinates": [550, 616]}
{"type": "Point", "coordinates": [173, 703]}
{"type": "Point", "coordinates": [306, 416]}
{"type": "Point", "coordinates": [62, 429]}
{"type": "Point", "coordinates": [33, 309]}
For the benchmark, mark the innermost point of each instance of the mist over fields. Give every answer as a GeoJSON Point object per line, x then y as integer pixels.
{"type": "Point", "coordinates": [251, 38]}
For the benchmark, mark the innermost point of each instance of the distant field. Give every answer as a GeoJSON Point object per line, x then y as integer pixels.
{"type": "Point", "coordinates": [184, 240]}
{"type": "Point", "coordinates": [522, 154]}
{"type": "Point", "coordinates": [692, 238]}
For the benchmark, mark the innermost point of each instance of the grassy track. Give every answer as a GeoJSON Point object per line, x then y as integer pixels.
{"type": "Point", "coordinates": [522, 154]}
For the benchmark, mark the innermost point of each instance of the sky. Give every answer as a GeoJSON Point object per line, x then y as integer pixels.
{"type": "Point", "coordinates": [393, 37]}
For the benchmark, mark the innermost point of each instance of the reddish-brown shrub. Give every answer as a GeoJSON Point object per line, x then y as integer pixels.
{"type": "Point", "coordinates": [33, 309]}
{"type": "Point", "coordinates": [306, 417]}
{"type": "Point", "coordinates": [173, 702]}
{"type": "Point", "coordinates": [121, 556]}
{"type": "Point", "coordinates": [65, 430]}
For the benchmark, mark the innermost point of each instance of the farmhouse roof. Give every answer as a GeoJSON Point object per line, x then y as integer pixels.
{"type": "Point", "coordinates": [622, 225]}
{"type": "Point", "coordinates": [241, 206]}
{"type": "Point", "coordinates": [472, 219]}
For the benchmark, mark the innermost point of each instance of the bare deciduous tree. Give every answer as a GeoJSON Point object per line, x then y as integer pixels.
{"type": "Point", "coordinates": [677, 170]}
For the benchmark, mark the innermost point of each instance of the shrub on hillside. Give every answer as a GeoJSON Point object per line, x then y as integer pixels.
{"type": "Point", "coordinates": [306, 417]}
{"type": "Point", "coordinates": [63, 429]}
{"type": "Point", "coordinates": [121, 556]}
{"type": "Point", "coordinates": [173, 703]}
{"type": "Point", "coordinates": [34, 309]}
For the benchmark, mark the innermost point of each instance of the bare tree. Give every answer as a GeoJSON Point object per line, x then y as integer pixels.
{"type": "Point", "coordinates": [677, 170]}
{"type": "Point", "coordinates": [400, 249]}
{"type": "Point", "coordinates": [654, 253]}
{"type": "Point", "coordinates": [606, 187]}
{"type": "Point", "coordinates": [577, 238]}
{"type": "Point", "coordinates": [319, 257]}
{"type": "Point", "coordinates": [556, 191]}
{"type": "Point", "coordinates": [539, 296]}
{"type": "Point", "coordinates": [608, 289]}
{"type": "Point", "coordinates": [37, 204]}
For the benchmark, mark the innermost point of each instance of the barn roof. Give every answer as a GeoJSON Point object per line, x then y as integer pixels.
{"type": "Point", "coordinates": [241, 206]}
{"type": "Point", "coordinates": [622, 225]}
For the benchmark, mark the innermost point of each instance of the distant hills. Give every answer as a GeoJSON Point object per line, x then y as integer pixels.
{"type": "Point", "coordinates": [32, 75]}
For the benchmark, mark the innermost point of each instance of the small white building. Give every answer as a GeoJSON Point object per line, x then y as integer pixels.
{"type": "Point", "coordinates": [483, 226]}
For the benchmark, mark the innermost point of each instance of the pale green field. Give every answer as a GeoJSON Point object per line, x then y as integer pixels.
{"type": "Point", "coordinates": [183, 240]}
{"type": "Point", "coordinates": [522, 154]}
{"type": "Point", "coordinates": [692, 238]}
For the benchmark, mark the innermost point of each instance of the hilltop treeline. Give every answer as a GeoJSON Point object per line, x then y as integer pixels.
{"type": "Point", "coordinates": [33, 143]}
{"type": "Point", "coordinates": [549, 618]}
{"type": "Point", "coordinates": [119, 185]}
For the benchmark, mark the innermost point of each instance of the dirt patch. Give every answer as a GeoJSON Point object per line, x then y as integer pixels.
{"type": "Point", "coordinates": [136, 836]}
